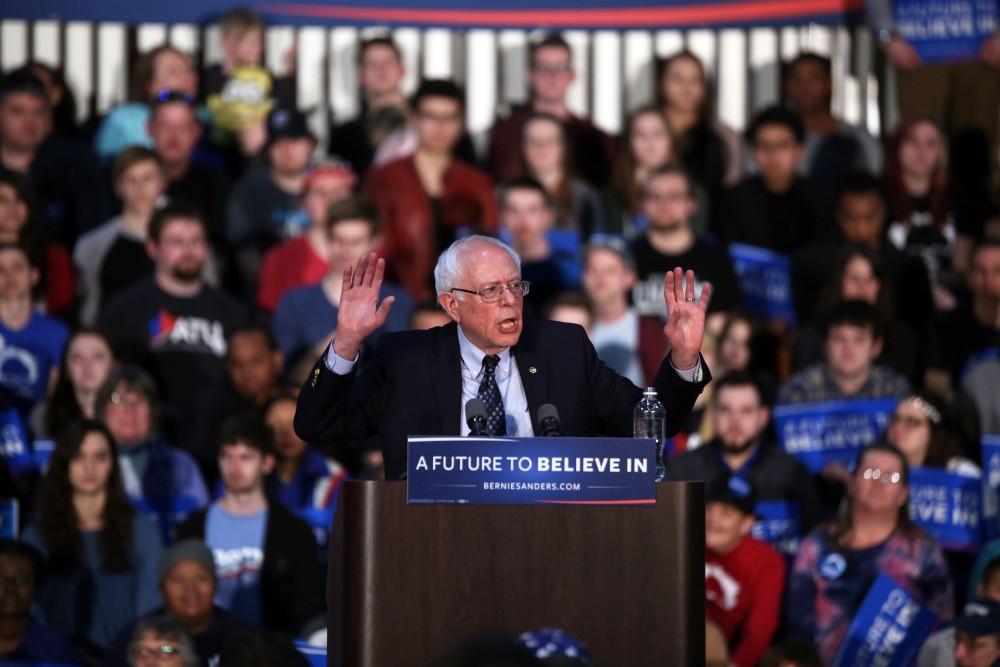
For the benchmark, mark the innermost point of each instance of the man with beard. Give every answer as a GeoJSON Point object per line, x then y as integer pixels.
{"type": "Point", "coordinates": [176, 326]}
{"type": "Point", "coordinates": [739, 419]}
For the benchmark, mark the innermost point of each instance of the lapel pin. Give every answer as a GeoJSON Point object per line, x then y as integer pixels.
{"type": "Point", "coordinates": [532, 369]}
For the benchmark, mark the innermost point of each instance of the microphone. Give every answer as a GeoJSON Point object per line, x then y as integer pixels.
{"type": "Point", "coordinates": [475, 417]}
{"type": "Point", "coordinates": [548, 421]}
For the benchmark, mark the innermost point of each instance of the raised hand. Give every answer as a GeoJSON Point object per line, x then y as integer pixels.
{"type": "Point", "coordinates": [685, 328]}
{"type": "Point", "coordinates": [360, 312]}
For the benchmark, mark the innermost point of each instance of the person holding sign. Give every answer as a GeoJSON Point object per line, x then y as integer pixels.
{"type": "Point", "coordinates": [419, 381]}
{"type": "Point", "coordinates": [839, 561]}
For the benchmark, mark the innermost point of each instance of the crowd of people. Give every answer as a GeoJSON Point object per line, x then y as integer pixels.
{"type": "Point", "coordinates": [169, 275]}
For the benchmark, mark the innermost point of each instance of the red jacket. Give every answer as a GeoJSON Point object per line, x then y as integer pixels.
{"type": "Point", "coordinates": [407, 221]}
{"type": "Point", "coordinates": [743, 597]}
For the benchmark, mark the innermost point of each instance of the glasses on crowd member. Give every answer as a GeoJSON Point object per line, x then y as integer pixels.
{"type": "Point", "coordinates": [167, 95]}
{"type": "Point", "coordinates": [553, 69]}
{"type": "Point", "coordinates": [128, 400]}
{"type": "Point", "coordinates": [908, 421]}
{"type": "Point", "coordinates": [882, 476]}
{"type": "Point", "coordinates": [163, 653]}
{"type": "Point", "coordinates": [518, 288]}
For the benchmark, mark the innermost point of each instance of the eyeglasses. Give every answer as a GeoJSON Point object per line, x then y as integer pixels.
{"type": "Point", "coordinates": [909, 422]}
{"type": "Point", "coordinates": [161, 653]}
{"type": "Point", "coordinates": [518, 288]}
{"type": "Point", "coordinates": [882, 477]}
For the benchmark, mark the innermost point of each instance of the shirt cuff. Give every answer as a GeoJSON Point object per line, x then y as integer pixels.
{"type": "Point", "coordinates": [337, 364]}
{"type": "Point", "coordinates": [690, 375]}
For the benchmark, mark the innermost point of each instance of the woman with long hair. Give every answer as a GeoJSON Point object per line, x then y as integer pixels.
{"type": "Point", "coordinates": [838, 562]}
{"type": "Point", "coordinates": [101, 555]}
{"type": "Point", "coordinates": [646, 144]}
{"type": "Point", "coordinates": [545, 152]}
{"type": "Point", "coordinates": [86, 362]}
{"type": "Point", "coordinates": [925, 429]}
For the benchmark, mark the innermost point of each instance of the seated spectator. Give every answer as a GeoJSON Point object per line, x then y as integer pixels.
{"type": "Point", "coordinates": [742, 447]}
{"type": "Point", "coordinates": [619, 335]}
{"type": "Point", "coordinates": [186, 573]}
{"type": "Point", "coordinates": [746, 345]}
{"type": "Point", "coordinates": [744, 577]}
{"type": "Point", "coordinates": [305, 260]}
{"type": "Point", "coordinates": [670, 241]}
{"type": "Point", "coordinates": [550, 74]}
{"type": "Point", "coordinates": [852, 341]}
{"type": "Point", "coordinates": [548, 257]}
{"type": "Point", "coordinates": [923, 428]}
{"type": "Point", "coordinates": [113, 257]}
{"type": "Point", "coordinates": [23, 638]}
{"type": "Point", "coordinates": [920, 214]}
{"type": "Point", "coordinates": [176, 326]}
{"type": "Point", "coordinates": [977, 634]}
{"type": "Point", "coordinates": [425, 200]}
{"type": "Point", "coordinates": [101, 554]}
{"type": "Point", "coordinates": [158, 478]}
{"type": "Point", "coordinates": [87, 360]}
{"type": "Point", "coordinates": [163, 68]}
{"type": "Point", "coordinates": [303, 478]}
{"type": "Point", "coordinates": [427, 315]}
{"type": "Point", "coordinates": [307, 316]}
{"type": "Point", "coordinates": [711, 152]}
{"type": "Point", "coordinates": [160, 640]}
{"type": "Point", "coordinates": [263, 207]}
{"type": "Point", "coordinates": [33, 342]}
{"type": "Point", "coordinates": [832, 148]}
{"type": "Point", "coordinates": [839, 561]}
{"type": "Point", "coordinates": [775, 209]}
{"type": "Point", "coordinates": [63, 174]}
{"type": "Point", "coordinates": [265, 556]}
{"type": "Point", "coordinates": [646, 145]}
{"type": "Point", "coordinates": [545, 150]}
{"type": "Point", "coordinates": [571, 308]}
{"type": "Point", "coordinates": [20, 223]}
{"type": "Point", "coordinates": [859, 274]}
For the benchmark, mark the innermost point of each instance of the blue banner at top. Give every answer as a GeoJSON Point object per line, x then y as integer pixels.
{"type": "Point", "coordinates": [525, 14]}
{"type": "Point", "coordinates": [946, 31]}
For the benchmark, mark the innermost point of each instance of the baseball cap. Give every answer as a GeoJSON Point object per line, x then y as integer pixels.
{"type": "Point", "coordinates": [285, 123]}
{"type": "Point", "coordinates": [190, 549]}
{"type": "Point", "coordinates": [980, 616]}
{"type": "Point", "coordinates": [732, 490]}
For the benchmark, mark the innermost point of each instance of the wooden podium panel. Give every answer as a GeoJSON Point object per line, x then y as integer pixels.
{"type": "Point", "coordinates": [407, 583]}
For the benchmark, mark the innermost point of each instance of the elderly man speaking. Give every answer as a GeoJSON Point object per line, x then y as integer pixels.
{"type": "Point", "coordinates": [418, 382]}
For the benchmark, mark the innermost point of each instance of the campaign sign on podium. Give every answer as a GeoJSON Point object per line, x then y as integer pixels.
{"type": "Point", "coordinates": [528, 471]}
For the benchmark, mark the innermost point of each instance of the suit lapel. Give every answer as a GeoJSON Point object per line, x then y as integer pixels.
{"type": "Point", "coordinates": [532, 369]}
{"type": "Point", "coordinates": [446, 377]}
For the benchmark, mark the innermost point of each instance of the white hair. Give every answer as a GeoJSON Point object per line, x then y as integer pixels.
{"type": "Point", "coordinates": [448, 270]}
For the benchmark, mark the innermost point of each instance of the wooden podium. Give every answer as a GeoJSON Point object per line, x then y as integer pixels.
{"type": "Point", "coordinates": [407, 583]}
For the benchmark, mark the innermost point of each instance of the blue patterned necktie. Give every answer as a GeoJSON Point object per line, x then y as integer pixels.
{"type": "Point", "coordinates": [489, 394]}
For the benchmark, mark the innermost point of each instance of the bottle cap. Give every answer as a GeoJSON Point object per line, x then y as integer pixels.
{"type": "Point", "coordinates": [650, 391]}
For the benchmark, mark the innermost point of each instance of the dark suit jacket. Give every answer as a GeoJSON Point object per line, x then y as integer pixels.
{"type": "Point", "coordinates": [413, 386]}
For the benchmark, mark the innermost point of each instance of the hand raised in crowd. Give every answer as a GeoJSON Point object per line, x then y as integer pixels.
{"type": "Point", "coordinates": [989, 52]}
{"type": "Point", "coordinates": [685, 328]}
{"type": "Point", "coordinates": [902, 55]}
{"type": "Point", "coordinates": [360, 312]}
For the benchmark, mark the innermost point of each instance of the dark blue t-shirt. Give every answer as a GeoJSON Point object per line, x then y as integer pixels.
{"type": "Point", "coordinates": [27, 356]}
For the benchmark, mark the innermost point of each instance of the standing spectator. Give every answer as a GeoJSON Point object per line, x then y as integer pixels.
{"type": "Point", "coordinates": [646, 145]}
{"type": "Point", "coordinates": [939, 649]}
{"type": "Point", "coordinates": [549, 77]}
{"type": "Point", "coordinates": [32, 342]}
{"type": "Point", "coordinates": [740, 416]}
{"type": "Point", "coordinates": [710, 151]}
{"type": "Point", "coordinates": [174, 127]}
{"type": "Point", "coordinates": [744, 577]}
{"type": "Point", "coordinates": [304, 260]}
{"type": "Point", "coordinates": [113, 256]}
{"type": "Point", "coordinates": [87, 360]}
{"type": "Point", "coordinates": [20, 222]}
{"type": "Point", "coordinates": [307, 316]}
{"type": "Point", "coordinates": [186, 573]}
{"type": "Point", "coordinates": [23, 638]}
{"type": "Point", "coordinates": [175, 325]}
{"type": "Point", "coordinates": [776, 209]}
{"type": "Point", "coordinates": [101, 554]}
{"type": "Point", "coordinates": [263, 207]}
{"type": "Point", "coordinates": [61, 99]}
{"type": "Point", "coordinates": [853, 339]}
{"type": "Point", "coordinates": [163, 68]}
{"type": "Point", "coordinates": [833, 148]}
{"type": "Point", "coordinates": [254, 368]}
{"type": "Point", "coordinates": [265, 557]}
{"type": "Point", "coordinates": [838, 562]}
{"type": "Point", "coordinates": [158, 478]}
{"type": "Point", "coordinates": [924, 429]}
{"type": "Point", "coordinates": [64, 174]}
{"type": "Point", "coordinates": [425, 200]}
{"type": "Point", "coordinates": [546, 159]}
{"type": "Point", "coordinates": [977, 634]}
{"type": "Point", "coordinates": [670, 241]}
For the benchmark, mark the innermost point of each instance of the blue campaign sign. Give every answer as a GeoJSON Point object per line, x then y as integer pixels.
{"type": "Point", "coordinates": [14, 444]}
{"type": "Point", "coordinates": [525, 471]}
{"type": "Point", "coordinates": [779, 523]}
{"type": "Point", "coordinates": [946, 31]}
{"type": "Point", "coordinates": [765, 279]}
{"type": "Point", "coordinates": [316, 655]}
{"type": "Point", "coordinates": [834, 431]}
{"type": "Point", "coordinates": [991, 461]}
{"type": "Point", "coordinates": [888, 629]}
{"type": "Point", "coordinates": [948, 506]}
{"type": "Point", "coordinates": [8, 518]}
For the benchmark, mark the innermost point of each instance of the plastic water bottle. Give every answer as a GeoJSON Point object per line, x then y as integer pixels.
{"type": "Point", "coordinates": [649, 421]}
